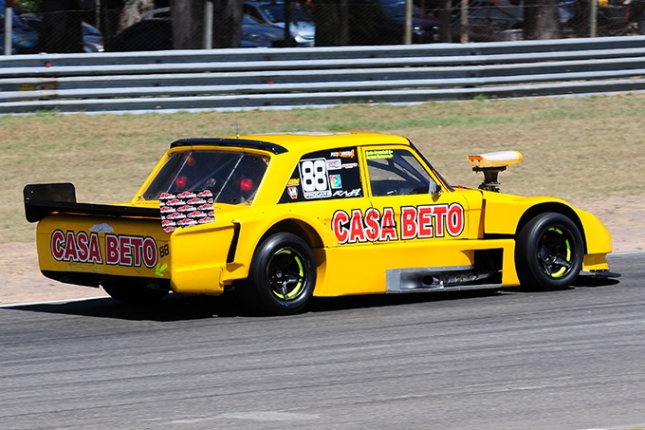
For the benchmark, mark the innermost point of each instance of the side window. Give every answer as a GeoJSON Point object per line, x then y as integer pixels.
{"type": "Point", "coordinates": [252, 12]}
{"type": "Point", "coordinates": [395, 172]}
{"type": "Point", "coordinates": [324, 175]}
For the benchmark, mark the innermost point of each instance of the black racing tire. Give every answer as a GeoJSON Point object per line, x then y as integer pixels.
{"type": "Point", "coordinates": [282, 276]}
{"type": "Point", "coordinates": [134, 291]}
{"type": "Point", "coordinates": [548, 252]}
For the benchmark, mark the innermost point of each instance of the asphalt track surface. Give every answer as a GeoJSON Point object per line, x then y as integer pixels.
{"type": "Point", "coordinates": [571, 359]}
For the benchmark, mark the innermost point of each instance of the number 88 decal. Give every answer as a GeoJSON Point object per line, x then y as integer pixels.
{"type": "Point", "coordinates": [313, 174]}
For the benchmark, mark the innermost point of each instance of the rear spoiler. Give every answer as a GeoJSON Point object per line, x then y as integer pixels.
{"type": "Point", "coordinates": [42, 200]}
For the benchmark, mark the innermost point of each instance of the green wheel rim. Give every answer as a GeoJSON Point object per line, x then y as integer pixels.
{"type": "Point", "coordinates": [287, 276]}
{"type": "Point", "coordinates": [554, 252]}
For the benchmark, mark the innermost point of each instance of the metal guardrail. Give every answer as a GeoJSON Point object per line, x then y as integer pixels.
{"type": "Point", "coordinates": [263, 78]}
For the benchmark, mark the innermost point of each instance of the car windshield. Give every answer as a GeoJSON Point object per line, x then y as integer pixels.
{"type": "Point", "coordinates": [276, 13]}
{"type": "Point", "coordinates": [231, 177]}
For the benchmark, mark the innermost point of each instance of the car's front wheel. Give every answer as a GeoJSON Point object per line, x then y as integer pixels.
{"type": "Point", "coordinates": [549, 252]}
{"type": "Point", "coordinates": [282, 276]}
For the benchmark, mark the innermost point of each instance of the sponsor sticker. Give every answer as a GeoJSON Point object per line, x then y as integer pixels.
{"type": "Point", "coordinates": [343, 154]}
{"type": "Point", "coordinates": [196, 201]}
{"type": "Point", "coordinates": [186, 195]}
{"type": "Point", "coordinates": [335, 181]}
{"type": "Point", "coordinates": [293, 192]}
{"type": "Point", "coordinates": [113, 250]}
{"type": "Point", "coordinates": [334, 164]}
{"type": "Point", "coordinates": [379, 154]}
{"type": "Point", "coordinates": [185, 209]}
{"type": "Point", "coordinates": [348, 193]}
{"type": "Point", "coordinates": [413, 222]}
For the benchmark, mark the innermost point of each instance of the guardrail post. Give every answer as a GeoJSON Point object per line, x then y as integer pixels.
{"type": "Point", "coordinates": [208, 24]}
{"type": "Point", "coordinates": [593, 16]}
{"type": "Point", "coordinates": [8, 21]}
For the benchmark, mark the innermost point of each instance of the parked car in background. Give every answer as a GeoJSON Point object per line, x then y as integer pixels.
{"type": "Point", "coordinates": [382, 22]}
{"type": "Point", "coordinates": [154, 33]}
{"type": "Point", "coordinates": [301, 24]}
{"type": "Point", "coordinates": [614, 17]}
{"type": "Point", "coordinates": [488, 19]}
{"type": "Point", "coordinates": [92, 37]}
{"type": "Point", "coordinates": [255, 31]}
{"type": "Point", "coordinates": [504, 19]}
{"type": "Point", "coordinates": [24, 39]}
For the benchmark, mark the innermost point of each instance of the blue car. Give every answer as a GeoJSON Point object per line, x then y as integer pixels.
{"type": "Point", "coordinates": [271, 12]}
{"type": "Point", "coordinates": [24, 39]}
{"type": "Point", "coordinates": [92, 37]}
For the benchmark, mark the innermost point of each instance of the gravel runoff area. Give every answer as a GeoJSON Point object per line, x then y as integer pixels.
{"type": "Point", "coordinates": [22, 282]}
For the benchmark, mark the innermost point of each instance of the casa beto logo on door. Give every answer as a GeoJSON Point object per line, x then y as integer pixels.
{"type": "Point", "coordinates": [120, 250]}
{"type": "Point", "coordinates": [420, 222]}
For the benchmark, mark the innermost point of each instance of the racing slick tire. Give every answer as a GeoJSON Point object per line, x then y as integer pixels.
{"type": "Point", "coordinates": [282, 275]}
{"type": "Point", "coordinates": [134, 292]}
{"type": "Point", "coordinates": [549, 252]}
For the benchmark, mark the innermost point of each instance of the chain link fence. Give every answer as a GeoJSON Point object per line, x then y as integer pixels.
{"type": "Point", "coordinates": [64, 26]}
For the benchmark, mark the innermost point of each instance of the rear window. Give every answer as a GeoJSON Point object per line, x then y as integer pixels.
{"type": "Point", "coordinates": [231, 177]}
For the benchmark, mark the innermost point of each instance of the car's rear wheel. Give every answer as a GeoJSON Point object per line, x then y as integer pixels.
{"type": "Point", "coordinates": [282, 276]}
{"type": "Point", "coordinates": [133, 291]}
{"type": "Point", "coordinates": [549, 252]}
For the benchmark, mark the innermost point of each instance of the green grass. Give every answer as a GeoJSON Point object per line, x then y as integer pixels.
{"type": "Point", "coordinates": [573, 147]}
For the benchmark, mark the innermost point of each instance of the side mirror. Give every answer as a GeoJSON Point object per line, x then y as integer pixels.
{"type": "Point", "coordinates": [434, 188]}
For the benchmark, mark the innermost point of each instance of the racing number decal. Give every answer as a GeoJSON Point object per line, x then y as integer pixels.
{"type": "Point", "coordinates": [324, 175]}
{"type": "Point", "coordinates": [313, 179]}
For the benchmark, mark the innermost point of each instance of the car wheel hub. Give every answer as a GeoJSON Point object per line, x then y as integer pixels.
{"type": "Point", "coordinates": [555, 253]}
{"type": "Point", "coordinates": [287, 275]}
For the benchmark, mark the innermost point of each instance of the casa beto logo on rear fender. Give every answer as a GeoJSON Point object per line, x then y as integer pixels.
{"type": "Point", "coordinates": [421, 222]}
{"type": "Point", "coordinates": [120, 250]}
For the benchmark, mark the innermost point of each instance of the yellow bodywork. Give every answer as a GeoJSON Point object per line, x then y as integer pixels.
{"type": "Point", "coordinates": [207, 258]}
{"type": "Point", "coordinates": [87, 244]}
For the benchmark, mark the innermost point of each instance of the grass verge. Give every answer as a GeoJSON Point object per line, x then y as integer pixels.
{"type": "Point", "coordinates": [585, 147]}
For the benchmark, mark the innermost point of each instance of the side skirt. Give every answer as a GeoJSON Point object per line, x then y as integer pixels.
{"type": "Point", "coordinates": [439, 279]}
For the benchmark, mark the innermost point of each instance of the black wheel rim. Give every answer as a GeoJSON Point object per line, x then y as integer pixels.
{"type": "Point", "coordinates": [287, 274]}
{"type": "Point", "coordinates": [555, 252]}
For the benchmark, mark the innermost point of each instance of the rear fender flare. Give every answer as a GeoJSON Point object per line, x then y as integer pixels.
{"type": "Point", "coordinates": [248, 239]}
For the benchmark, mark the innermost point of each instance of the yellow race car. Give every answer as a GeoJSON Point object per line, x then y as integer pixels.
{"type": "Point", "coordinates": [281, 218]}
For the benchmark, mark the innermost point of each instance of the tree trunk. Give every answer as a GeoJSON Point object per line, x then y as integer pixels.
{"type": "Point", "coordinates": [61, 28]}
{"type": "Point", "coordinates": [227, 23]}
{"type": "Point", "coordinates": [109, 19]}
{"type": "Point", "coordinates": [187, 24]}
{"type": "Point", "coordinates": [541, 19]}
{"type": "Point", "coordinates": [332, 22]}
{"type": "Point", "coordinates": [132, 12]}
{"type": "Point", "coordinates": [445, 22]}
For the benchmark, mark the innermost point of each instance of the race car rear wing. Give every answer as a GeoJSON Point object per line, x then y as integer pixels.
{"type": "Point", "coordinates": [42, 200]}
